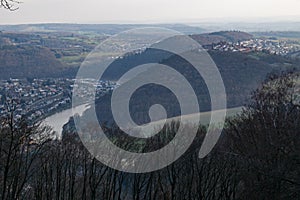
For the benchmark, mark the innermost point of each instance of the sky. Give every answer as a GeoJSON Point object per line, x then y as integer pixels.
{"type": "Point", "coordinates": [149, 11]}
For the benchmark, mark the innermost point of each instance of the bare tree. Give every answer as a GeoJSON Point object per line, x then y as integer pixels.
{"type": "Point", "coordinates": [10, 4]}
{"type": "Point", "coordinates": [20, 146]}
{"type": "Point", "coordinates": [265, 139]}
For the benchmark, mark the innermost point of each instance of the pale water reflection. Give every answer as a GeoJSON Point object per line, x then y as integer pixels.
{"type": "Point", "coordinates": [58, 120]}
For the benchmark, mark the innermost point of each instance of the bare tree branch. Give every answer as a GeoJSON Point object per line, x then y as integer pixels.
{"type": "Point", "coordinates": [9, 4]}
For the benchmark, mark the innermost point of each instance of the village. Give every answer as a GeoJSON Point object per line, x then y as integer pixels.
{"type": "Point", "coordinates": [36, 99]}
{"type": "Point", "coordinates": [277, 47]}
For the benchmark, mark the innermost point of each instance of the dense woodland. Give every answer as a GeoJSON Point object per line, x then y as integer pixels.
{"type": "Point", "coordinates": [257, 157]}
{"type": "Point", "coordinates": [241, 74]}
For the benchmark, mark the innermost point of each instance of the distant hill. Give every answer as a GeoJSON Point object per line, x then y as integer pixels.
{"type": "Point", "coordinates": [222, 36]}
{"type": "Point", "coordinates": [108, 29]}
{"type": "Point", "coordinates": [29, 61]}
{"type": "Point", "coordinates": [242, 73]}
{"type": "Point", "coordinates": [279, 34]}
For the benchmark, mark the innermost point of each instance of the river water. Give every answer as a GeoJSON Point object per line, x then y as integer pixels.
{"type": "Point", "coordinates": [58, 120]}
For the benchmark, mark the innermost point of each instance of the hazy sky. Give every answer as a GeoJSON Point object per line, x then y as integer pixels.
{"type": "Point", "coordinates": [134, 11]}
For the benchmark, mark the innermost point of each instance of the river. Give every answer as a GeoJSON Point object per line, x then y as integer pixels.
{"type": "Point", "coordinates": [58, 120]}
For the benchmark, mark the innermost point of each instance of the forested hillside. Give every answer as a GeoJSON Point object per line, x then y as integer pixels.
{"type": "Point", "coordinates": [29, 62]}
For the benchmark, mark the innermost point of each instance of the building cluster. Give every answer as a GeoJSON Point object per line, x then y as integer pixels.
{"type": "Point", "coordinates": [86, 90]}
{"type": "Point", "coordinates": [264, 45]}
{"type": "Point", "coordinates": [34, 98]}
{"type": "Point", "coordinates": [38, 98]}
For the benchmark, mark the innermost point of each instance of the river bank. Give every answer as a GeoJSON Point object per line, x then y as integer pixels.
{"type": "Point", "coordinates": [58, 120]}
